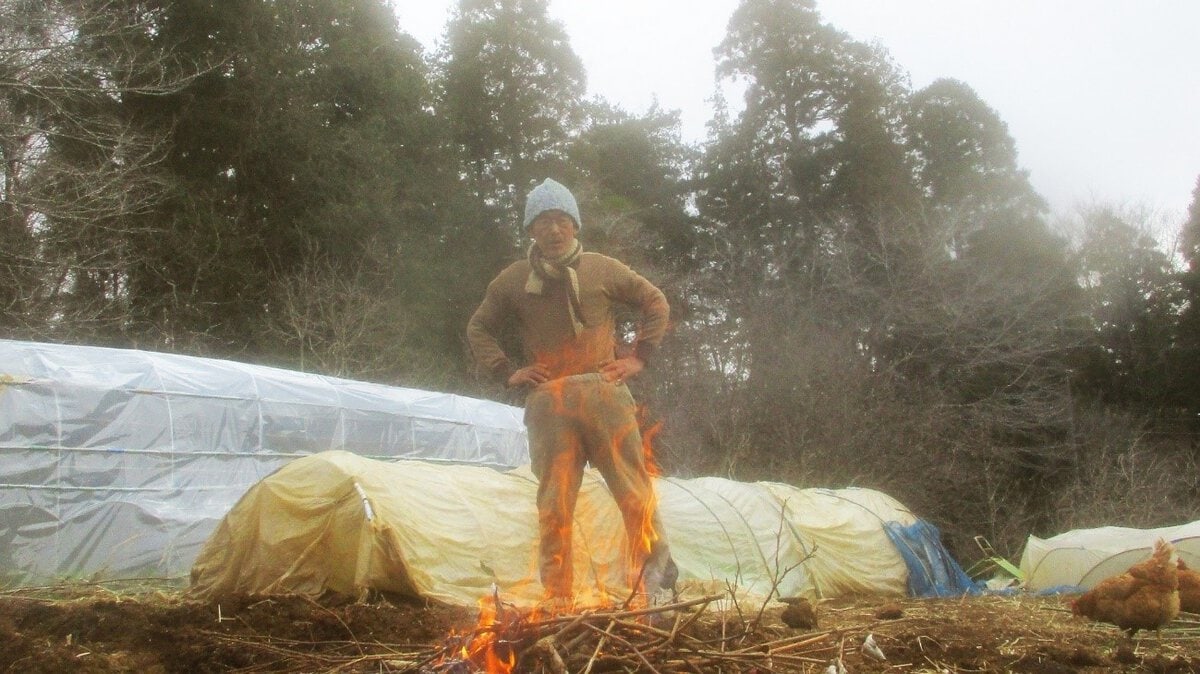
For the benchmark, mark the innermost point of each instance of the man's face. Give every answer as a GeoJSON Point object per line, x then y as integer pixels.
{"type": "Point", "coordinates": [554, 233]}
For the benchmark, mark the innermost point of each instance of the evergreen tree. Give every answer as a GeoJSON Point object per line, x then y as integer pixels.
{"type": "Point", "coordinates": [79, 175]}
{"type": "Point", "coordinates": [1187, 372]}
{"type": "Point", "coordinates": [1133, 302]}
{"type": "Point", "coordinates": [765, 175]}
{"type": "Point", "coordinates": [511, 89]}
{"type": "Point", "coordinates": [632, 172]}
{"type": "Point", "coordinates": [967, 163]}
{"type": "Point", "coordinates": [312, 140]}
{"type": "Point", "coordinates": [875, 236]}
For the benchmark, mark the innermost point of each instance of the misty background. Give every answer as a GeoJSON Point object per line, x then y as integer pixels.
{"type": "Point", "coordinates": [1096, 93]}
{"type": "Point", "coordinates": [867, 286]}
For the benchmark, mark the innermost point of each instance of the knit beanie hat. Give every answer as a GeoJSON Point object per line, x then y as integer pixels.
{"type": "Point", "coordinates": [551, 195]}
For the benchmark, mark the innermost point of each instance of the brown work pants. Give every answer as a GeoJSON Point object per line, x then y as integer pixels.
{"type": "Point", "coordinates": [578, 420]}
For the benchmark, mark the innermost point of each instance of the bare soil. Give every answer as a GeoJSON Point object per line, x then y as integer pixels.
{"type": "Point", "coordinates": [89, 629]}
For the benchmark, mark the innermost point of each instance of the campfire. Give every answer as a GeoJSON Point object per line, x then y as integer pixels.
{"type": "Point", "coordinates": [725, 631]}
{"type": "Point", "coordinates": [706, 634]}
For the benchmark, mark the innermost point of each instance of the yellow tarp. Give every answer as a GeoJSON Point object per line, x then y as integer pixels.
{"type": "Point", "coordinates": [338, 522]}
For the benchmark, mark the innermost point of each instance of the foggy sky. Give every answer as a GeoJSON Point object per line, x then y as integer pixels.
{"type": "Point", "coordinates": [1101, 96]}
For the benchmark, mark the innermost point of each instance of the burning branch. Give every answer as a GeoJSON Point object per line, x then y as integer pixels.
{"type": "Point", "coordinates": [626, 640]}
{"type": "Point", "coordinates": [695, 636]}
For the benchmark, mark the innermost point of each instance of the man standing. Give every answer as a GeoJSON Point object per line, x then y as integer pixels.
{"type": "Point", "coordinates": [578, 409]}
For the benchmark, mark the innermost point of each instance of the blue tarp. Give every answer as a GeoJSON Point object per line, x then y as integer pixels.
{"type": "Point", "coordinates": [932, 572]}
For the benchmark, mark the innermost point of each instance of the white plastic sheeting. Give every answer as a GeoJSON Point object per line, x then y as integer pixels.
{"type": "Point", "coordinates": [339, 522]}
{"type": "Point", "coordinates": [119, 463]}
{"type": "Point", "coordinates": [811, 541]}
{"type": "Point", "coordinates": [1084, 557]}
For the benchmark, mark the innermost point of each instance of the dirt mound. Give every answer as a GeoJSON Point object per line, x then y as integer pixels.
{"type": "Point", "coordinates": [100, 631]}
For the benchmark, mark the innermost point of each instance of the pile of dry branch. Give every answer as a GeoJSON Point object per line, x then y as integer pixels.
{"type": "Point", "coordinates": [666, 638]}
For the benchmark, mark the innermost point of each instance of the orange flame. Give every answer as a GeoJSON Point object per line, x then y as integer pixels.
{"type": "Point", "coordinates": [641, 505]}
{"type": "Point", "coordinates": [649, 533]}
{"type": "Point", "coordinates": [486, 649]}
{"type": "Point", "coordinates": [648, 435]}
{"type": "Point", "coordinates": [486, 652]}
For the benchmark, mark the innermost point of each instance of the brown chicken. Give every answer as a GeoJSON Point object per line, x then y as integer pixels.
{"type": "Point", "coordinates": [1145, 597]}
{"type": "Point", "coordinates": [1189, 588]}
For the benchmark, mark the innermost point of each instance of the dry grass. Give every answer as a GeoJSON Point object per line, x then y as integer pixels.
{"type": "Point", "coordinates": [88, 628]}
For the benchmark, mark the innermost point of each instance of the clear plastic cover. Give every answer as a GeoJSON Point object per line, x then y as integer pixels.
{"type": "Point", "coordinates": [119, 463]}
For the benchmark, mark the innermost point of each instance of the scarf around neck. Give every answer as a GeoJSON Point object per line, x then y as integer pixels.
{"type": "Point", "coordinates": [557, 268]}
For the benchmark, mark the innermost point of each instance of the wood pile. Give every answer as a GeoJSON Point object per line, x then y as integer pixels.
{"type": "Point", "coordinates": [660, 639]}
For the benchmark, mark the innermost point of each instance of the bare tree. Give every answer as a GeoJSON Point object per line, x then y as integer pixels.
{"type": "Point", "coordinates": [334, 321]}
{"type": "Point", "coordinates": [77, 172]}
{"type": "Point", "coordinates": [354, 320]}
{"type": "Point", "coordinates": [905, 366]}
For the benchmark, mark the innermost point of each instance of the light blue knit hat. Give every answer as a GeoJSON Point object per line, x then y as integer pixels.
{"type": "Point", "coordinates": [551, 195]}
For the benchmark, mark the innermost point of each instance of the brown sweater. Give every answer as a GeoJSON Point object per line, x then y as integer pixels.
{"type": "Point", "coordinates": [544, 323]}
